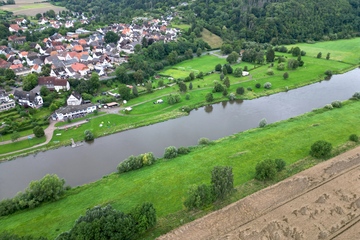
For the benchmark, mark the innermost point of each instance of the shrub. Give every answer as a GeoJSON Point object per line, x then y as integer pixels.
{"type": "Point", "coordinates": [249, 89]}
{"type": "Point", "coordinates": [38, 132]}
{"type": "Point", "coordinates": [328, 73]}
{"type": "Point", "coordinates": [280, 66]}
{"type": "Point", "coordinates": [319, 55]}
{"type": "Point", "coordinates": [354, 138]}
{"type": "Point", "coordinates": [336, 104]}
{"type": "Point", "coordinates": [356, 95]}
{"type": "Point", "coordinates": [262, 123]}
{"type": "Point", "coordinates": [225, 92]}
{"type": "Point", "coordinates": [187, 96]}
{"type": "Point", "coordinates": [270, 72]}
{"type": "Point", "coordinates": [286, 75]}
{"type": "Point", "coordinates": [183, 150]}
{"type": "Point", "coordinates": [232, 96]}
{"type": "Point", "coordinates": [170, 152]}
{"type": "Point", "coordinates": [218, 87]}
{"type": "Point", "coordinates": [89, 136]}
{"type": "Point", "coordinates": [321, 149]}
{"type": "Point", "coordinates": [198, 196]}
{"type": "Point", "coordinates": [246, 68]}
{"type": "Point", "coordinates": [265, 170]}
{"type": "Point", "coordinates": [258, 85]}
{"type": "Point", "coordinates": [329, 106]}
{"type": "Point", "coordinates": [267, 85]}
{"type": "Point", "coordinates": [240, 90]}
{"type": "Point", "coordinates": [133, 163]}
{"type": "Point", "coordinates": [209, 97]}
{"type": "Point", "coordinates": [280, 164]}
{"type": "Point", "coordinates": [204, 141]}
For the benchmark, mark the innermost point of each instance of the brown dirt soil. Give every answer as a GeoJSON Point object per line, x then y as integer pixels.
{"type": "Point", "coordinates": [322, 202]}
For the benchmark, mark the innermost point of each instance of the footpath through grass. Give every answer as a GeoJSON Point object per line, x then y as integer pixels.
{"type": "Point", "coordinates": [165, 184]}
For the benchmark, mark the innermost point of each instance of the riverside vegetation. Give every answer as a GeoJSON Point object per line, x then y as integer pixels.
{"type": "Point", "coordinates": [258, 84]}
{"type": "Point", "coordinates": [241, 151]}
{"type": "Point", "coordinates": [289, 140]}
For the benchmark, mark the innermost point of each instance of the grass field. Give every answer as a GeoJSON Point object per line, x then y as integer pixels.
{"type": "Point", "coordinates": [346, 50]}
{"type": "Point", "coordinates": [184, 27]}
{"type": "Point", "coordinates": [30, 8]}
{"type": "Point", "coordinates": [19, 145]}
{"type": "Point", "coordinates": [203, 64]}
{"type": "Point", "coordinates": [290, 140]}
{"type": "Point", "coordinates": [212, 39]}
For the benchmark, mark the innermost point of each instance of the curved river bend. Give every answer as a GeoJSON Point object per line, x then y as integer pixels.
{"type": "Point", "coordinates": [91, 161]}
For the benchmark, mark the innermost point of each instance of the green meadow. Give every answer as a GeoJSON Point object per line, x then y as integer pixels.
{"type": "Point", "coordinates": [165, 184]}
{"type": "Point", "coordinates": [346, 50]}
{"type": "Point", "coordinates": [203, 64]}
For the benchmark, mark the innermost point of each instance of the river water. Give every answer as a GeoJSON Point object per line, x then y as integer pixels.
{"type": "Point", "coordinates": [90, 162]}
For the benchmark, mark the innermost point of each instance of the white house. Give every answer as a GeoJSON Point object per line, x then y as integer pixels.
{"type": "Point", "coordinates": [53, 83]}
{"type": "Point", "coordinates": [74, 99]}
{"type": "Point", "coordinates": [73, 111]}
{"type": "Point", "coordinates": [29, 99]}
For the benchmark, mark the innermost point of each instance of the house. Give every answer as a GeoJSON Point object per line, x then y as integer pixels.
{"type": "Point", "coordinates": [4, 64]}
{"type": "Point", "coordinates": [80, 68]}
{"type": "Point", "coordinates": [22, 71]}
{"type": "Point", "coordinates": [5, 102]}
{"type": "Point", "coordinates": [36, 68]}
{"type": "Point", "coordinates": [74, 99]}
{"type": "Point", "coordinates": [53, 83]}
{"type": "Point", "coordinates": [28, 99]}
{"type": "Point", "coordinates": [14, 28]}
{"type": "Point", "coordinates": [71, 112]}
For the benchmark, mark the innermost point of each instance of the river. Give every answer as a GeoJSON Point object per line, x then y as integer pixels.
{"type": "Point", "coordinates": [90, 162]}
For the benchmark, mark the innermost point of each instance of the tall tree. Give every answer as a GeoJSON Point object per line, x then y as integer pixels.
{"type": "Point", "coordinates": [222, 181]}
{"type": "Point", "coordinates": [270, 55]}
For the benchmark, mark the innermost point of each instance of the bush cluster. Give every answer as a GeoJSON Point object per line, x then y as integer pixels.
{"type": "Point", "coordinates": [49, 188]}
{"type": "Point", "coordinates": [321, 149]}
{"type": "Point", "coordinates": [109, 223]}
{"type": "Point", "coordinates": [170, 152]}
{"type": "Point", "coordinates": [222, 185]}
{"type": "Point", "coordinates": [354, 138]}
{"type": "Point", "coordinates": [258, 85]}
{"type": "Point", "coordinates": [204, 141]}
{"type": "Point", "coordinates": [266, 169]}
{"type": "Point", "coordinates": [329, 106]}
{"type": "Point", "coordinates": [336, 104]}
{"type": "Point", "coordinates": [136, 162]}
{"type": "Point", "coordinates": [267, 85]}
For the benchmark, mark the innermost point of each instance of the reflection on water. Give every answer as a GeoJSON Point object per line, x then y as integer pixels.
{"type": "Point", "coordinates": [90, 162]}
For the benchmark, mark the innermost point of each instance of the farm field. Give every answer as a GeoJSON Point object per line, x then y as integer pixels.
{"type": "Point", "coordinates": [312, 198]}
{"type": "Point", "coordinates": [29, 8]}
{"type": "Point", "coordinates": [241, 151]}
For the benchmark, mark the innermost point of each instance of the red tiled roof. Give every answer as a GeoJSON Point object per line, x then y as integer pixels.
{"type": "Point", "coordinates": [78, 66]}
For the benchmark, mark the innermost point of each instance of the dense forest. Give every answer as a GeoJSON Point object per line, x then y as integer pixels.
{"type": "Point", "coordinates": [271, 21]}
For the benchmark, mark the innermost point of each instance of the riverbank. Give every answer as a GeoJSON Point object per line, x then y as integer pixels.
{"type": "Point", "coordinates": [146, 113]}
{"type": "Point", "coordinates": [290, 140]}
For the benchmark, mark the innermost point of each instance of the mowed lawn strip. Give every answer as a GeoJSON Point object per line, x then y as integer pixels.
{"type": "Point", "coordinates": [165, 184]}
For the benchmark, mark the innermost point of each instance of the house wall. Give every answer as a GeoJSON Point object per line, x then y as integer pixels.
{"type": "Point", "coordinates": [73, 101]}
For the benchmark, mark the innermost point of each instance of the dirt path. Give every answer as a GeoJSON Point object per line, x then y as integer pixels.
{"type": "Point", "coordinates": [322, 202]}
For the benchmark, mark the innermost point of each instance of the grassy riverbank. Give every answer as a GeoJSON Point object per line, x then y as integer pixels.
{"type": "Point", "coordinates": [145, 112]}
{"type": "Point", "coordinates": [165, 183]}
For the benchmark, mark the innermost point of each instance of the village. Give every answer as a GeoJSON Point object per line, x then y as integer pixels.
{"type": "Point", "coordinates": [75, 55]}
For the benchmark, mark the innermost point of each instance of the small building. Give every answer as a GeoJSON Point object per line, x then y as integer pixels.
{"type": "Point", "coordinates": [28, 99]}
{"type": "Point", "coordinates": [5, 102]}
{"type": "Point", "coordinates": [74, 99]}
{"type": "Point", "coordinates": [112, 104]}
{"type": "Point", "coordinates": [72, 112]}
